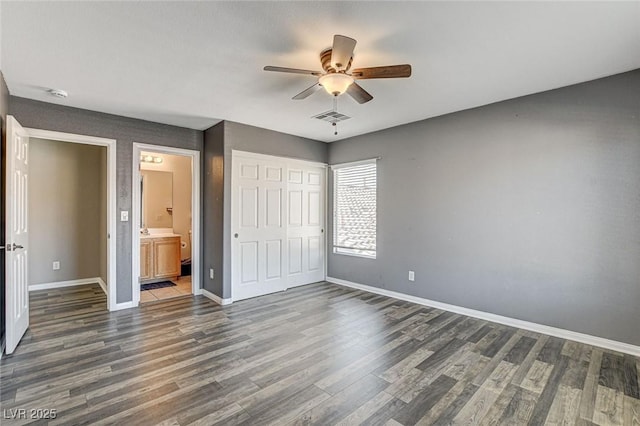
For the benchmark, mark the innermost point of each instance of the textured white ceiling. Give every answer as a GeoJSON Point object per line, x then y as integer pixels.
{"type": "Point", "coordinates": [193, 64]}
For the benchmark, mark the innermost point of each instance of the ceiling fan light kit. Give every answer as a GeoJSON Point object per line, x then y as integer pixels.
{"type": "Point", "coordinates": [336, 79]}
{"type": "Point", "coordinates": [335, 83]}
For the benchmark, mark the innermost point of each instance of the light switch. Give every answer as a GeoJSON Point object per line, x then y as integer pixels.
{"type": "Point", "coordinates": [56, 265]}
{"type": "Point", "coordinates": [412, 276]}
{"type": "Point", "coordinates": [211, 273]}
{"type": "Point", "coordinates": [124, 216]}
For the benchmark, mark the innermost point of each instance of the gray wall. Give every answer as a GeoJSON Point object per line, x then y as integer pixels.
{"type": "Point", "coordinates": [67, 218]}
{"type": "Point", "coordinates": [221, 140]}
{"type": "Point", "coordinates": [4, 110]}
{"type": "Point", "coordinates": [47, 116]}
{"type": "Point", "coordinates": [213, 204]}
{"type": "Point", "coordinates": [527, 208]}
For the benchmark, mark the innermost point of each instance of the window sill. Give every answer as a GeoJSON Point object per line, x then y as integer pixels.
{"type": "Point", "coordinates": [346, 253]}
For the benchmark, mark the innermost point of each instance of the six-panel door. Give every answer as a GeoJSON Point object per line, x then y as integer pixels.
{"type": "Point", "coordinates": [305, 227]}
{"type": "Point", "coordinates": [16, 229]}
{"type": "Point", "coordinates": [277, 225]}
{"type": "Point", "coordinates": [259, 232]}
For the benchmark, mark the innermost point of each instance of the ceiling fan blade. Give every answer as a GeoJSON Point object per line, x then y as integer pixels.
{"type": "Point", "coordinates": [292, 70]}
{"type": "Point", "coordinates": [307, 92]}
{"type": "Point", "coordinates": [342, 52]}
{"type": "Point", "coordinates": [390, 71]}
{"type": "Point", "coordinates": [360, 95]}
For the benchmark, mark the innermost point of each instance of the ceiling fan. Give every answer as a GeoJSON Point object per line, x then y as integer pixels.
{"type": "Point", "coordinates": [336, 78]}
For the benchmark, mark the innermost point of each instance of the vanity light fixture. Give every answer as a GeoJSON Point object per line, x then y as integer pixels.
{"type": "Point", "coordinates": [150, 159]}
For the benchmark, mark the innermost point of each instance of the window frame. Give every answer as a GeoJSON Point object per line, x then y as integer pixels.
{"type": "Point", "coordinates": [348, 251]}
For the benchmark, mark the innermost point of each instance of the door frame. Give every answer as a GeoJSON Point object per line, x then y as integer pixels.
{"type": "Point", "coordinates": [196, 237]}
{"type": "Point", "coordinates": [110, 144]}
{"type": "Point", "coordinates": [246, 154]}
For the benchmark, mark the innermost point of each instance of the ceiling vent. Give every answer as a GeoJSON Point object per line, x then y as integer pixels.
{"type": "Point", "coordinates": [331, 116]}
{"type": "Point", "coordinates": [58, 93]}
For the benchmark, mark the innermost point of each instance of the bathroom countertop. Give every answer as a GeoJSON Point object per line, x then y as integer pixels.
{"type": "Point", "coordinates": [160, 235]}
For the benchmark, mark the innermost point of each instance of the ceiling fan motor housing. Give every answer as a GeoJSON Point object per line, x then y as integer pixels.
{"type": "Point", "coordinates": [325, 60]}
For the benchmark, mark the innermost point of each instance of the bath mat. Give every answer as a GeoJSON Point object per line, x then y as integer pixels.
{"type": "Point", "coordinates": [154, 286]}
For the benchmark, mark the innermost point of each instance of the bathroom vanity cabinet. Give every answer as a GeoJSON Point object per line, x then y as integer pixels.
{"type": "Point", "coordinates": [159, 258]}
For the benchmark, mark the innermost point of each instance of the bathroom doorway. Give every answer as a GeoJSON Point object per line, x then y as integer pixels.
{"type": "Point", "coordinates": [166, 213]}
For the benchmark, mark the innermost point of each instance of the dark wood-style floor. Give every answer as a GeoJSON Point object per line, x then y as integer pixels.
{"type": "Point", "coordinates": [318, 354]}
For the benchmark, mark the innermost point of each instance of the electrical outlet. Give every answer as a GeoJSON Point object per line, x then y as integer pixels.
{"type": "Point", "coordinates": [211, 273]}
{"type": "Point", "coordinates": [412, 276]}
{"type": "Point", "coordinates": [56, 265]}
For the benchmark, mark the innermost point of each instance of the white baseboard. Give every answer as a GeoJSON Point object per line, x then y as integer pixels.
{"type": "Point", "coordinates": [531, 326]}
{"type": "Point", "coordinates": [70, 283]}
{"type": "Point", "coordinates": [103, 286]}
{"type": "Point", "coordinates": [219, 300]}
{"type": "Point", "coordinates": [123, 305]}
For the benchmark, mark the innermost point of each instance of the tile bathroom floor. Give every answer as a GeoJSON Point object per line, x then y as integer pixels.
{"type": "Point", "coordinates": [182, 288]}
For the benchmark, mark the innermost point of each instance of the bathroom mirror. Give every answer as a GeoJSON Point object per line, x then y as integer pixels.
{"type": "Point", "coordinates": [157, 199]}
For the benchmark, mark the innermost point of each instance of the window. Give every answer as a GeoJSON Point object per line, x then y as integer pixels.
{"type": "Point", "coordinates": [354, 209]}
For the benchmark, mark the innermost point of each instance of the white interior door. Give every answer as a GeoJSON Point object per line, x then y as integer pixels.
{"type": "Point", "coordinates": [17, 291]}
{"type": "Point", "coordinates": [305, 227]}
{"type": "Point", "coordinates": [258, 227]}
{"type": "Point", "coordinates": [277, 224]}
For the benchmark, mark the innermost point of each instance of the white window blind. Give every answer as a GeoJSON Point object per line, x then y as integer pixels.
{"type": "Point", "coordinates": [355, 208]}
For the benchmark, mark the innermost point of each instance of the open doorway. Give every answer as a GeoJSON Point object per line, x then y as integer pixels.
{"type": "Point", "coordinates": [67, 216]}
{"type": "Point", "coordinates": [71, 215]}
{"type": "Point", "coordinates": [166, 211]}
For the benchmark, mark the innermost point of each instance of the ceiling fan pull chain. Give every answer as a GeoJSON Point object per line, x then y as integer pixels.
{"type": "Point", "coordinates": [335, 109]}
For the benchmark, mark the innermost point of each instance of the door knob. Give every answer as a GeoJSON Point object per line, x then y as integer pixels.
{"type": "Point", "coordinates": [16, 246]}
{"type": "Point", "coordinates": [235, 235]}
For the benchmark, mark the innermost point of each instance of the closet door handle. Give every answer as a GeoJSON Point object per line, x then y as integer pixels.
{"type": "Point", "coordinates": [235, 235]}
{"type": "Point", "coordinates": [11, 247]}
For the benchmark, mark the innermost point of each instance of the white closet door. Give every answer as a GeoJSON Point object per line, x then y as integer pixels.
{"type": "Point", "coordinates": [277, 224]}
{"type": "Point", "coordinates": [305, 226]}
{"type": "Point", "coordinates": [258, 226]}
